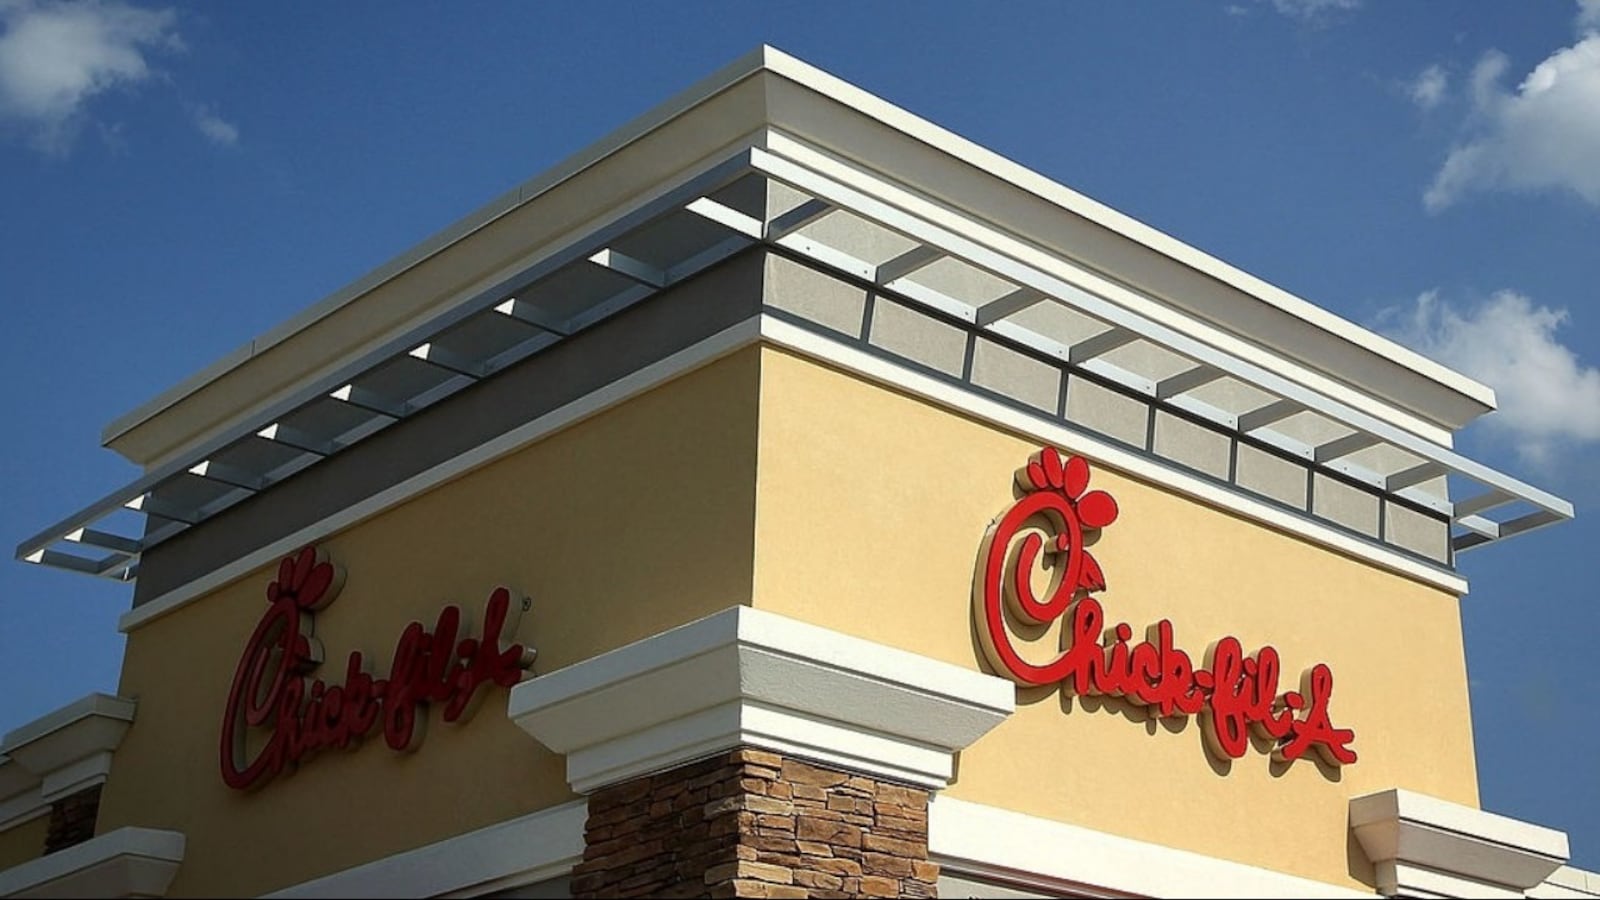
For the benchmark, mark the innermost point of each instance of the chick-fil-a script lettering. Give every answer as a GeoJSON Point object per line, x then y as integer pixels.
{"type": "Point", "coordinates": [271, 692]}
{"type": "Point", "coordinates": [1233, 692]}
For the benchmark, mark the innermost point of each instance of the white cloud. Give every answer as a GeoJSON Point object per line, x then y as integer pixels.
{"type": "Point", "coordinates": [1548, 398]}
{"type": "Point", "coordinates": [1428, 89]}
{"type": "Point", "coordinates": [1544, 136]}
{"type": "Point", "coordinates": [1588, 15]}
{"type": "Point", "coordinates": [55, 56]}
{"type": "Point", "coordinates": [216, 129]}
{"type": "Point", "coordinates": [1311, 10]}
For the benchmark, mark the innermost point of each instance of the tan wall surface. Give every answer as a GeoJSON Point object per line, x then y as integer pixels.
{"type": "Point", "coordinates": [871, 507]}
{"type": "Point", "coordinates": [631, 522]}
{"type": "Point", "coordinates": [24, 842]}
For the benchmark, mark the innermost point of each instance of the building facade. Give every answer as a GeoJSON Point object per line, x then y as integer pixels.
{"type": "Point", "coordinates": [785, 497]}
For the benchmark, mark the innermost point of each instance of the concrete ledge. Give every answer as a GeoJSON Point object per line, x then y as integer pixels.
{"type": "Point", "coordinates": [128, 862]}
{"type": "Point", "coordinates": [1422, 846]}
{"type": "Point", "coordinates": [748, 677]}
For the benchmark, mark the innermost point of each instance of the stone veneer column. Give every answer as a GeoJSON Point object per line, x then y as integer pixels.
{"type": "Point", "coordinates": [747, 754]}
{"type": "Point", "coordinates": [750, 823]}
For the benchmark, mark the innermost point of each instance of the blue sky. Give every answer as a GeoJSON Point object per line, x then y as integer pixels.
{"type": "Point", "coordinates": [176, 179]}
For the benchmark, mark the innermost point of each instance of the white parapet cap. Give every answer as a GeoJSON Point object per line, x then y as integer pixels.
{"type": "Point", "coordinates": [128, 862]}
{"type": "Point", "coordinates": [1422, 846]}
{"type": "Point", "coordinates": [747, 677]}
{"type": "Point", "coordinates": [970, 236]}
{"type": "Point", "coordinates": [59, 754]}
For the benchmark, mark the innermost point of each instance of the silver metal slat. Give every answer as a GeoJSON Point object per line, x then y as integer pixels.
{"type": "Point", "coordinates": [1184, 382]}
{"type": "Point", "coordinates": [796, 219]}
{"type": "Point", "coordinates": [1415, 475]}
{"type": "Point", "coordinates": [1099, 345]}
{"type": "Point", "coordinates": [1262, 416]}
{"type": "Point", "coordinates": [105, 540]}
{"type": "Point", "coordinates": [628, 267]}
{"type": "Point", "coordinates": [1344, 446]}
{"type": "Point", "coordinates": [371, 401]}
{"type": "Point", "coordinates": [296, 439]}
{"type": "Point", "coordinates": [1008, 305]}
{"type": "Point", "coordinates": [223, 473]}
{"type": "Point", "coordinates": [906, 263]}
{"type": "Point", "coordinates": [448, 360]}
{"type": "Point", "coordinates": [1482, 502]}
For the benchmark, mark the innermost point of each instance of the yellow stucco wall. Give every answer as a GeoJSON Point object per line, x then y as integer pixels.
{"type": "Point", "coordinates": [631, 522]}
{"type": "Point", "coordinates": [871, 507]}
{"type": "Point", "coordinates": [22, 843]}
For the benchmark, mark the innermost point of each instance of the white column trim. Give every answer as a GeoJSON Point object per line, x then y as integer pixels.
{"type": "Point", "coordinates": [527, 849]}
{"type": "Point", "coordinates": [746, 676]}
{"type": "Point", "coordinates": [128, 862]}
{"type": "Point", "coordinates": [990, 842]}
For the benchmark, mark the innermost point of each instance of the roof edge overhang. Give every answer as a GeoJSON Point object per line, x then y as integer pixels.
{"type": "Point", "coordinates": [734, 106]}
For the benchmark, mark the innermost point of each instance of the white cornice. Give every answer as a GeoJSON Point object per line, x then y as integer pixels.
{"type": "Point", "coordinates": [128, 862]}
{"type": "Point", "coordinates": [745, 676]}
{"type": "Point", "coordinates": [1421, 846]}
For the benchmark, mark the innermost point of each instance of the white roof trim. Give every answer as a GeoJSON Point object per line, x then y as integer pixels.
{"type": "Point", "coordinates": [766, 58]}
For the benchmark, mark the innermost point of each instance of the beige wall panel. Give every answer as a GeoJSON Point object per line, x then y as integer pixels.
{"type": "Point", "coordinates": [1417, 532]}
{"type": "Point", "coordinates": [904, 331]}
{"type": "Point", "coordinates": [1350, 506]}
{"type": "Point", "coordinates": [1104, 410]}
{"type": "Point", "coordinates": [1193, 445]}
{"type": "Point", "coordinates": [631, 522]}
{"type": "Point", "coordinates": [813, 296]}
{"type": "Point", "coordinates": [871, 508]}
{"type": "Point", "coordinates": [1272, 476]}
{"type": "Point", "coordinates": [24, 842]}
{"type": "Point", "coordinates": [1022, 378]}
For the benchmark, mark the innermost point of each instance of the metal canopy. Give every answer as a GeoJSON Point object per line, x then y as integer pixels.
{"type": "Point", "coordinates": [711, 217]}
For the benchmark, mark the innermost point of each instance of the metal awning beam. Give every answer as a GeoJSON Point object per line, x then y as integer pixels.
{"type": "Point", "coordinates": [448, 360]}
{"type": "Point", "coordinates": [1099, 345]}
{"type": "Point", "coordinates": [630, 268]}
{"type": "Point", "coordinates": [233, 476]}
{"type": "Point", "coordinates": [1008, 305]}
{"type": "Point", "coordinates": [297, 439]}
{"type": "Point", "coordinates": [105, 540]}
{"type": "Point", "coordinates": [726, 216]}
{"type": "Point", "coordinates": [151, 505]}
{"type": "Point", "coordinates": [371, 401]}
{"type": "Point", "coordinates": [797, 218]}
{"type": "Point", "coordinates": [1415, 475]}
{"type": "Point", "coordinates": [1184, 382]}
{"type": "Point", "coordinates": [528, 314]}
{"type": "Point", "coordinates": [1485, 501]}
{"type": "Point", "coordinates": [1344, 446]}
{"type": "Point", "coordinates": [1262, 416]}
{"type": "Point", "coordinates": [919, 257]}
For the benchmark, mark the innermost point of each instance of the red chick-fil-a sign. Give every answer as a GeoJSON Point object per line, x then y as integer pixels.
{"type": "Point", "coordinates": [270, 691]}
{"type": "Point", "coordinates": [1234, 693]}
